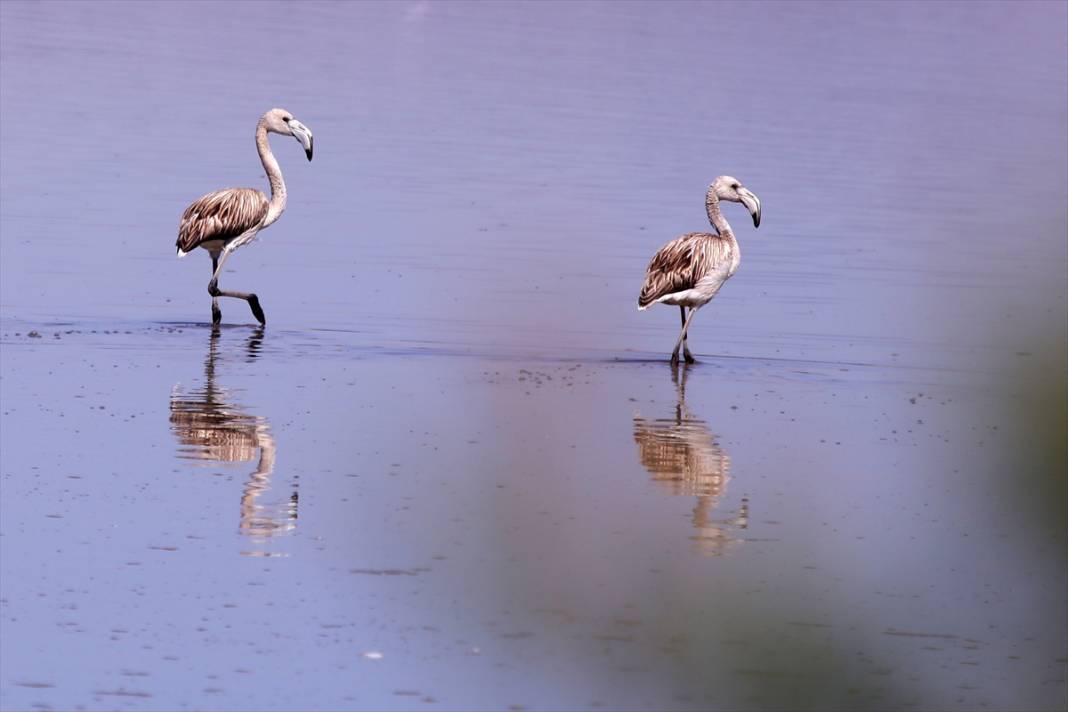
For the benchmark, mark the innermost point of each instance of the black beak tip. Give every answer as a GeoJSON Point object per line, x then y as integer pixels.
{"type": "Point", "coordinates": [756, 220]}
{"type": "Point", "coordinates": [309, 153]}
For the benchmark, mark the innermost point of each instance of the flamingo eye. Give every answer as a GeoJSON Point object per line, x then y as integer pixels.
{"type": "Point", "coordinates": [286, 119]}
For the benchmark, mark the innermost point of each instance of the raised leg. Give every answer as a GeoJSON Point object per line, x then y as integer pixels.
{"type": "Point", "coordinates": [685, 338]}
{"type": "Point", "coordinates": [214, 291]}
{"type": "Point", "coordinates": [682, 337]}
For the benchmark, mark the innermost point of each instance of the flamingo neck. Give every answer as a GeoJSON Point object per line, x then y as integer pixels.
{"type": "Point", "coordinates": [274, 175]}
{"type": "Point", "coordinates": [715, 216]}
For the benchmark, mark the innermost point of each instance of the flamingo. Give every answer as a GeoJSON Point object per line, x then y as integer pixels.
{"type": "Point", "coordinates": [223, 221]}
{"type": "Point", "coordinates": [689, 270]}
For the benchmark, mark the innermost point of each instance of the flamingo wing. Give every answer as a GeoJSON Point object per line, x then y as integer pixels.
{"type": "Point", "coordinates": [222, 215]}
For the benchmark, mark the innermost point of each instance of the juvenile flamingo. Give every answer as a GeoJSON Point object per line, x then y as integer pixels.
{"type": "Point", "coordinates": [223, 221]}
{"type": "Point", "coordinates": [689, 270]}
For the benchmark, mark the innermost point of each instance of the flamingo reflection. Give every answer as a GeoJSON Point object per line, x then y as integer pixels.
{"type": "Point", "coordinates": [211, 427]}
{"type": "Point", "coordinates": [682, 455]}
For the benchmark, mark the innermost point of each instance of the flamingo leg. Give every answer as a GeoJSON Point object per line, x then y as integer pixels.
{"type": "Point", "coordinates": [685, 337]}
{"type": "Point", "coordinates": [215, 292]}
{"type": "Point", "coordinates": [216, 313]}
{"type": "Point", "coordinates": [682, 337]}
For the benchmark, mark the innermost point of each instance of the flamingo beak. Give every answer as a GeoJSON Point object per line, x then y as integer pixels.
{"type": "Point", "coordinates": [303, 134]}
{"type": "Point", "coordinates": [751, 203]}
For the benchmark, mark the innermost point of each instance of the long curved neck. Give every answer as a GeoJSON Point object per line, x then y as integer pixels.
{"type": "Point", "coordinates": [274, 174]}
{"type": "Point", "coordinates": [715, 216]}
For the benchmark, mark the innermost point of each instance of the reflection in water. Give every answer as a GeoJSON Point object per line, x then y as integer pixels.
{"type": "Point", "coordinates": [211, 427]}
{"type": "Point", "coordinates": [681, 453]}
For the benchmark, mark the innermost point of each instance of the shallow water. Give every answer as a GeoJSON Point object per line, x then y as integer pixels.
{"type": "Point", "coordinates": [455, 469]}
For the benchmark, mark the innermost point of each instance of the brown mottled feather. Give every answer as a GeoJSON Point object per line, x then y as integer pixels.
{"type": "Point", "coordinates": [680, 264]}
{"type": "Point", "coordinates": [222, 215]}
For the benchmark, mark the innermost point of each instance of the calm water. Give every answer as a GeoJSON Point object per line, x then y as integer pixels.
{"type": "Point", "coordinates": [455, 470]}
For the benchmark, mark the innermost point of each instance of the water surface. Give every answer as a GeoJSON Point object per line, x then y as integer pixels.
{"type": "Point", "coordinates": [455, 469]}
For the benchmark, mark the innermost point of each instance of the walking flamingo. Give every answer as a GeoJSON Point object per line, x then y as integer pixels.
{"type": "Point", "coordinates": [223, 221]}
{"type": "Point", "coordinates": [689, 270]}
